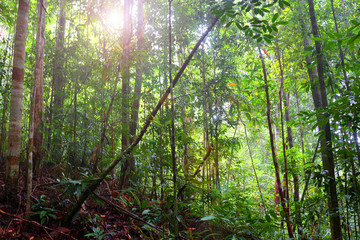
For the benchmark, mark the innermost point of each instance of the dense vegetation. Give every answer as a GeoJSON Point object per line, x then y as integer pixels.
{"type": "Point", "coordinates": [179, 119]}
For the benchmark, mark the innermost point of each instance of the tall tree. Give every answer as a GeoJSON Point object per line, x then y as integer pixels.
{"type": "Point", "coordinates": [139, 69]}
{"type": "Point", "coordinates": [128, 165]}
{"type": "Point", "coordinates": [16, 100]}
{"type": "Point", "coordinates": [326, 141]}
{"type": "Point", "coordinates": [58, 84]}
{"type": "Point", "coordinates": [38, 88]}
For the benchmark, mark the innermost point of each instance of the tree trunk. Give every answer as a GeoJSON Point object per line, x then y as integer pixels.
{"type": "Point", "coordinates": [300, 123]}
{"type": "Point", "coordinates": [125, 74]}
{"type": "Point", "coordinates": [172, 133]}
{"type": "Point", "coordinates": [5, 103]}
{"type": "Point", "coordinates": [16, 100]}
{"type": "Point", "coordinates": [289, 138]}
{"type": "Point", "coordinates": [139, 70]}
{"type": "Point", "coordinates": [276, 165]}
{"type": "Point", "coordinates": [278, 186]}
{"type": "Point", "coordinates": [29, 162]}
{"type": "Point", "coordinates": [59, 83]}
{"type": "Point", "coordinates": [38, 88]}
{"type": "Point", "coordinates": [326, 141]}
{"type": "Point", "coordinates": [286, 179]}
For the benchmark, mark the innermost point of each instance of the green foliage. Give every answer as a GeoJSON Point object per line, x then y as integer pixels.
{"type": "Point", "coordinates": [41, 210]}
{"type": "Point", "coordinates": [221, 90]}
{"type": "Point", "coordinates": [98, 233]}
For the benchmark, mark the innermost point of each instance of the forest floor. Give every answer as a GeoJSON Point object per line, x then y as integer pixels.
{"type": "Point", "coordinates": [96, 219]}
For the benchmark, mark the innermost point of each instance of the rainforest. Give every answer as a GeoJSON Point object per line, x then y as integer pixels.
{"type": "Point", "coordinates": [180, 119]}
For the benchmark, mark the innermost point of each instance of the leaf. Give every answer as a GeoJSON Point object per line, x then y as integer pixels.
{"type": "Point", "coordinates": [275, 17]}
{"type": "Point", "coordinates": [316, 39]}
{"type": "Point", "coordinates": [229, 24]}
{"type": "Point", "coordinates": [207, 218]}
{"type": "Point", "coordinates": [238, 26]}
{"type": "Point", "coordinates": [286, 3]}
{"type": "Point", "coordinates": [282, 23]}
{"type": "Point", "coordinates": [146, 211]}
{"type": "Point", "coordinates": [232, 84]}
{"type": "Point", "coordinates": [355, 23]}
{"type": "Point", "coordinates": [267, 40]}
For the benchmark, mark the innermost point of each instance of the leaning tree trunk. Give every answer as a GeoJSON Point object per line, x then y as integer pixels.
{"type": "Point", "coordinates": [326, 142]}
{"type": "Point", "coordinates": [38, 88]}
{"type": "Point", "coordinates": [13, 155]}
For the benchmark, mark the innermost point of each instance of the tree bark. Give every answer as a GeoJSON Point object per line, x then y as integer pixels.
{"type": "Point", "coordinates": [139, 70]}
{"type": "Point", "coordinates": [59, 83]}
{"type": "Point", "coordinates": [16, 100]}
{"type": "Point", "coordinates": [326, 141]}
{"type": "Point", "coordinates": [38, 88]}
{"type": "Point", "coordinates": [125, 113]}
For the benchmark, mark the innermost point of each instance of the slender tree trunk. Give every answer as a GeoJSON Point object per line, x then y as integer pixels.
{"type": "Point", "coordinates": [341, 52]}
{"type": "Point", "coordinates": [276, 165]}
{"type": "Point", "coordinates": [216, 162]}
{"type": "Point", "coordinates": [125, 113]}
{"type": "Point", "coordinates": [138, 80]}
{"type": "Point", "coordinates": [16, 100]}
{"type": "Point", "coordinates": [252, 164]}
{"type": "Point", "coordinates": [205, 96]}
{"type": "Point", "coordinates": [59, 83]}
{"type": "Point", "coordinates": [326, 142]}
{"type": "Point", "coordinates": [3, 127]}
{"type": "Point", "coordinates": [300, 123]}
{"type": "Point", "coordinates": [74, 157]}
{"type": "Point", "coordinates": [290, 141]}
{"type": "Point", "coordinates": [5, 103]}
{"type": "Point", "coordinates": [38, 88]}
{"type": "Point", "coordinates": [172, 133]}
{"type": "Point", "coordinates": [139, 69]}
{"type": "Point", "coordinates": [278, 185]}
{"type": "Point", "coordinates": [29, 163]}
{"type": "Point", "coordinates": [286, 179]}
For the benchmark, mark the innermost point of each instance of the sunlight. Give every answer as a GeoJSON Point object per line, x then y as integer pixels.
{"type": "Point", "coordinates": [114, 20]}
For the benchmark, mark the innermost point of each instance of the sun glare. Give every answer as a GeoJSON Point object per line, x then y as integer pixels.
{"type": "Point", "coordinates": [114, 20]}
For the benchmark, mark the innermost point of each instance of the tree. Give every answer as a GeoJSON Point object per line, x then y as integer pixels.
{"type": "Point", "coordinates": [128, 166]}
{"type": "Point", "coordinates": [38, 100]}
{"type": "Point", "coordinates": [14, 137]}
{"type": "Point", "coordinates": [326, 141]}
{"type": "Point", "coordinates": [58, 84]}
